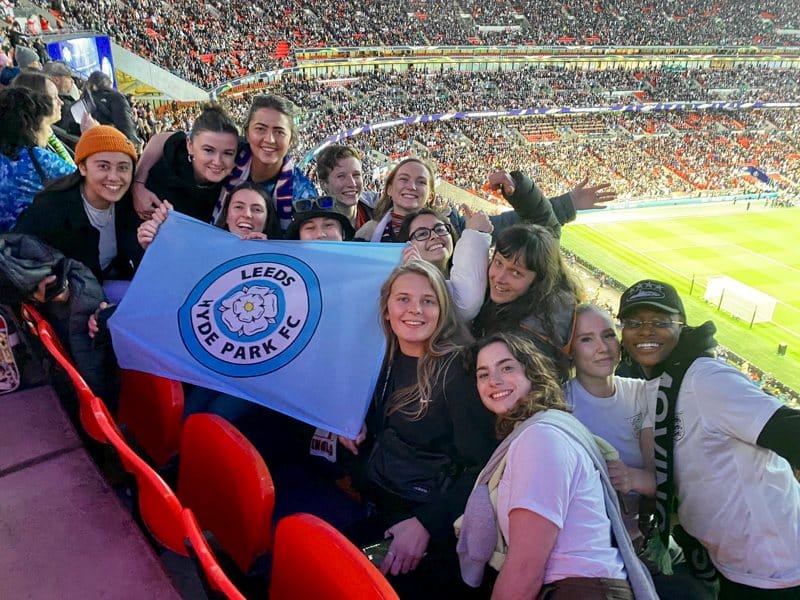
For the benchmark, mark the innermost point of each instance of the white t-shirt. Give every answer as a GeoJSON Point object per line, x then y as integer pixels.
{"type": "Point", "coordinates": [549, 474]}
{"type": "Point", "coordinates": [740, 501]}
{"type": "Point", "coordinates": [618, 419]}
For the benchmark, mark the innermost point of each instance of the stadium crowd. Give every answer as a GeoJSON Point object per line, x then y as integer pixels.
{"type": "Point", "coordinates": [654, 154]}
{"type": "Point", "coordinates": [648, 155]}
{"type": "Point", "coordinates": [264, 35]}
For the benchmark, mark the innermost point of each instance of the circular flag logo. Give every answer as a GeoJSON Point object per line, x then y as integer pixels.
{"type": "Point", "coordinates": [251, 315]}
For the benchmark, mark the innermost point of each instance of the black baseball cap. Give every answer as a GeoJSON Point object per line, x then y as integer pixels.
{"type": "Point", "coordinates": [293, 231]}
{"type": "Point", "coordinates": [651, 293]}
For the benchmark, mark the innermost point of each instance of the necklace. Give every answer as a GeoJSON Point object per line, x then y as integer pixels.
{"type": "Point", "coordinates": [99, 218]}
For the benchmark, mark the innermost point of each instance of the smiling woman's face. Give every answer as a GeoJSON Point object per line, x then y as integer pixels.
{"type": "Point", "coordinates": [595, 347]}
{"type": "Point", "coordinates": [413, 312]}
{"type": "Point", "coordinates": [269, 134]}
{"type": "Point", "coordinates": [502, 381]}
{"type": "Point", "coordinates": [345, 181]}
{"type": "Point", "coordinates": [649, 345]}
{"type": "Point", "coordinates": [410, 188]}
{"type": "Point", "coordinates": [436, 249]}
{"type": "Point", "coordinates": [247, 212]}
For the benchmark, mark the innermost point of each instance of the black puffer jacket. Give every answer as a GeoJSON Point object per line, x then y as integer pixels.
{"type": "Point", "coordinates": [24, 262]}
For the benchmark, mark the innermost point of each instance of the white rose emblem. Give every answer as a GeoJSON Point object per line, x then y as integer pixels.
{"type": "Point", "coordinates": [250, 311]}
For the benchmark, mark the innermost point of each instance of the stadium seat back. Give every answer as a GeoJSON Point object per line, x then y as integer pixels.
{"type": "Point", "coordinates": [311, 559]}
{"type": "Point", "coordinates": [159, 507]}
{"type": "Point", "coordinates": [40, 327]}
{"type": "Point", "coordinates": [226, 483]}
{"type": "Point", "coordinates": [151, 410]}
{"type": "Point", "coordinates": [199, 549]}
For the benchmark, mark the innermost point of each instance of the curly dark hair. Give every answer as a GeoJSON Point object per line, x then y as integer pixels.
{"type": "Point", "coordinates": [546, 392]}
{"type": "Point", "coordinates": [23, 112]}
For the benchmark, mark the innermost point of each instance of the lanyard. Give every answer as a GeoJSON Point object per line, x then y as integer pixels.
{"type": "Point", "coordinates": [380, 401]}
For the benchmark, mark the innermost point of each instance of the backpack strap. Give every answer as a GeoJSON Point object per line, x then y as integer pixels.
{"type": "Point", "coordinates": [36, 165]}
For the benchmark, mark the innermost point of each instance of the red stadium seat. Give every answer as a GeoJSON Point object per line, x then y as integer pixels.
{"type": "Point", "coordinates": [313, 560]}
{"type": "Point", "coordinates": [226, 483]}
{"type": "Point", "coordinates": [159, 507]}
{"type": "Point", "coordinates": [39, 327]}
{"type": "Point", "coordinates": [215, 577]}
{"type": "Point", "coordinates": [151, 410]}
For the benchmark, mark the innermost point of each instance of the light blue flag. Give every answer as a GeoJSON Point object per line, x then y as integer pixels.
{"type": "Point", "coordinates": [290, 325]}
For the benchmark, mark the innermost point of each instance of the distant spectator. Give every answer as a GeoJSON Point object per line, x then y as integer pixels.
{"type": "Point", "coordinates": [25, 165]}
{"type": "Point", "coordinates": [108, 106]}
{"type": "Point", "coordinates": [26, 58]}
{"type": "Point", "coordinates": [37, 82]}
{"type": "Point", "coordinates": [61, 75]}
{"type": "Point", "coordinates": [7, 75]}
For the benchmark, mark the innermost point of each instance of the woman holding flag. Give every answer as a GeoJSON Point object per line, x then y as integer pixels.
{"type": "Point", "coordinates": [247, 213]}
{"type": "Point", "coordinates": [425, 438]}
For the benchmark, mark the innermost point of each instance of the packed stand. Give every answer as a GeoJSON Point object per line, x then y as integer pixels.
{"type": "Point", "coordinates": [264, 34]}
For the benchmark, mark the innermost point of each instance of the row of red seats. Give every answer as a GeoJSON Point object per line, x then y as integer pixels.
{"type": "Point", "coordinates": [224, 487]}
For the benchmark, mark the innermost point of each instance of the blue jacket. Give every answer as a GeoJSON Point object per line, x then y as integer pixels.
{"type": "Point", "coordinates": [20, 181]}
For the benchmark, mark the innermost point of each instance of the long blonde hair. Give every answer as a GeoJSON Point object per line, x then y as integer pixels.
{"type": "Point", "coordinates": [384, 204]}
{"type": "Point", "coordinates": [448, 339]}
{"type": "Point", "coordinates": [545, 391]}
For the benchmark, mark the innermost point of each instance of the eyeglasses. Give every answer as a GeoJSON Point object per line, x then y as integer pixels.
{"type": "Point", "coordinates": [657, 323]}
{"type": "Point", "coordinates": [424, 233]}
{"type": "Point", "coordinates": [306, 204]}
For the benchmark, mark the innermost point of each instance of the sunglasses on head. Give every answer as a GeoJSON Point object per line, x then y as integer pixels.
{"type": "Point", "coordinates": [306, 204]}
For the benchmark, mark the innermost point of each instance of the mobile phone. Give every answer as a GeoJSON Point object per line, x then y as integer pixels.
{"type": "Point", "coordinates": [377, 552]}
{"type": "Point", "coordinates": [61, 283]}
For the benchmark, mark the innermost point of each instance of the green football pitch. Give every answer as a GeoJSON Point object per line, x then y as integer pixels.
{"type": "Point", "coordinates": [687, 245]}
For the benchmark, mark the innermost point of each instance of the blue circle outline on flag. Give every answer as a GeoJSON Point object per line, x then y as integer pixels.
{"type": "Point", "coordinates": [300, 281]}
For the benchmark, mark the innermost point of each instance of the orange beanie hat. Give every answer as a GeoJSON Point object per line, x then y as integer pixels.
{"type": "Point", "coordinates": [103, 138]}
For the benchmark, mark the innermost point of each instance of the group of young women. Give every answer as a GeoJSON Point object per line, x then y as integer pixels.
{"type": "Point", "coordinates": [427, 403]}
{"type": "Point", "coordinates": [438, 411]}
{"type": "Point", "coordinates": [428, 433]}
{"type": "Point", "coordinates": [426, 413]}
